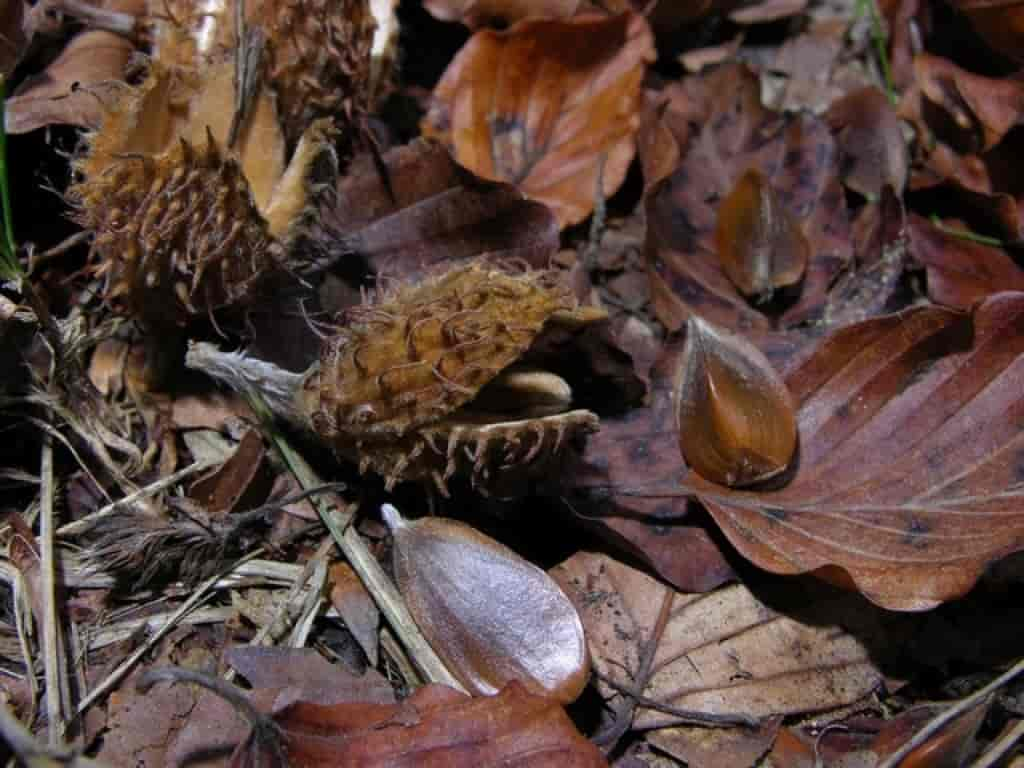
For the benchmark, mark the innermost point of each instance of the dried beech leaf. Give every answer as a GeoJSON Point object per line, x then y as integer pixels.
{"type": "Point", "coordinates": [988, 107]}
{"type": "Point", "coordinates": [960, 272]}
{"type": "Point", "coordinates": [799, 160]}
{"type": "Point", "coordinates": [760, 244]}
{"type": "Point", "coordinates": [871, 140]}
{"type": "Point", "coordinates": [356, 608]}
{"type": "Point", "coordinates": [431, 210]}
{"type": "Point", "coordinates": [73, 89]}
{"type": "Point", "coordinates": [736, 419]}
{"type": "Point", "coordinates": [436, 726]}
{"type": "Point", "coordinates": [220, 491]}
{"type": "Point", "coordinates": [520, 627]}
{"type": "Point", "coordinates": [548, 105]}
{"type": "Point", "coordinates": [723, 653]}
{"type": "Point", "coordinates": [864, 742]}
{"type": "Point", "coordinates": [699, 747]}
{"type": "Point", "coordinates": [907, 484]}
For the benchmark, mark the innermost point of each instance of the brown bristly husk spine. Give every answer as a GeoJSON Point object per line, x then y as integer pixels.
{"type": "Point", "coordinates": [318, 62]}
{"type": "Point", "coordinates": [180, 235]}
{"type": "Point", "coordinates": [488, 453]}
{"type": "Point", "coordinates": [428, 348]}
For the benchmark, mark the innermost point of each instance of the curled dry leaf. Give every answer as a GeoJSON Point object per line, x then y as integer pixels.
{"type": "Point", "coordinates": [492, 616]}
{"type": "Point", "coordinates": [871, 141]}
{"type": "Point", "coordinates": [551, 106]}
{"type": "Point", "coordinates": [396, 389]}
{"type": "Point", "coordinates": [436, 726]}
{"type": "Point", "coordinates": [760, 244]}
{"type": "Point", "coordinates": [737, 424]}
{"type": "Point", "coordinates": [722, 653]}
{"type": "Point", "coordinates": [984, 107]}
{"type": "Point", "coordinates": [356, 608]}
{"type": "Point", "coordinates": [863, 741]}
{"type": "Point", "coordinates": [907, 484]}
{"type": "Point", "coordinates": [960, 271]}
{"type": "Point", "coordinates": [431, 210]}
{"type": "Point", "coordinates": [74, 87]}
{"type": "Point", "coordinates": [799, 161]}
{"type": "Point", "coordinates": [999, 22]}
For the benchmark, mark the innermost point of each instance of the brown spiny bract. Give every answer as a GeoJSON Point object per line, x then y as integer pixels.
{"type": "Point", "coordinates": [395, 391]}
{"type": "Point", "coordinates": [318, 56]}
{"type": "Point", "coordinates": [185, 226]}
{"type": "Point", "coordinates": [181, 235]}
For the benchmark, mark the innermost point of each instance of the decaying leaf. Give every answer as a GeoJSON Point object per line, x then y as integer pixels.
{"type": "Point", "coordinates": [987, 108]}
{"type": "Point", "coordinates": [431, 210]}
{"type": "Point", "coordinates": [435, 726]}
{"type": "Point", "coordinates": [862, 742]}
{"type": "Point", "coordinates": [356, 608]}
{"type": "Point", "coordinates": [871, 141]}
{"type": "Point", "coordinates": [907, 483]}
{"type": "Point", "coordinates": [73, 89]}
{"type": "Point", "coordinates": [960, 272]}
{"type": "Point", "coordinates": [735, 416]}
{"type": "Point", "coordinates": [722, 653]}
{"type": "Point", "coordinates": [798, 159]}
{"type": "Point", "coordinates": [521, 627]}
{"type": "Point", "coordinates": [551, 106]}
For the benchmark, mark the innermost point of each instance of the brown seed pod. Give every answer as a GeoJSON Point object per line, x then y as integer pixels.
{"type": "Point", "coordinates": [760, 243]}
{"type": "Point", "coordinates": [490, 615]}
{"type": "Point", "coordinates": [395, 390]}
{"type": "Point", "coordinates": [737, 421]}
{"type": "Point", "coordinates": [423, 384]}
{"type": "Point", "coordinates": [183, 225]}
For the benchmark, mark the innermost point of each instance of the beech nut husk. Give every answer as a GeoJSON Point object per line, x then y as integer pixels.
{"type": "Point", "coordinates": [427, 381]}
{"type": "Point", "coordinates": [736, 419]}
{"type": "Point", "coordinates": [490, 615]}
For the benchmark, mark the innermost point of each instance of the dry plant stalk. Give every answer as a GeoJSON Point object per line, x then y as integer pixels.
{"type": "Point", "coordinates": [423, 384]}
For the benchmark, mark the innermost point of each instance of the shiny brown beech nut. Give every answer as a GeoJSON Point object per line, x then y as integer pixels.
{"type": "Point", "coordinates": [760, 244]}
{"type": "Point", "coordinates": [737, 421]}
{"type": "Point", "coordinates": [490, 615]}
{"type": "Point", "coordinates": [184, 225]}
{"type": "Point", "coordinates": [425, 383]}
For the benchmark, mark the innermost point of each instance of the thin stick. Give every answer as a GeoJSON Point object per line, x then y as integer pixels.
{"type": "Point", "coordinates": [998, 751]}
{"type": "Point", "coordinates": [939, 722]}
{"type": "Point", "coordinates": [369, 571]}
{"type": "Point", "coordinates": [52, 647]}
{"type": "Point", "coordinates": [87, 522]}
{"type": "Point", "coordinates": [202, 592]}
